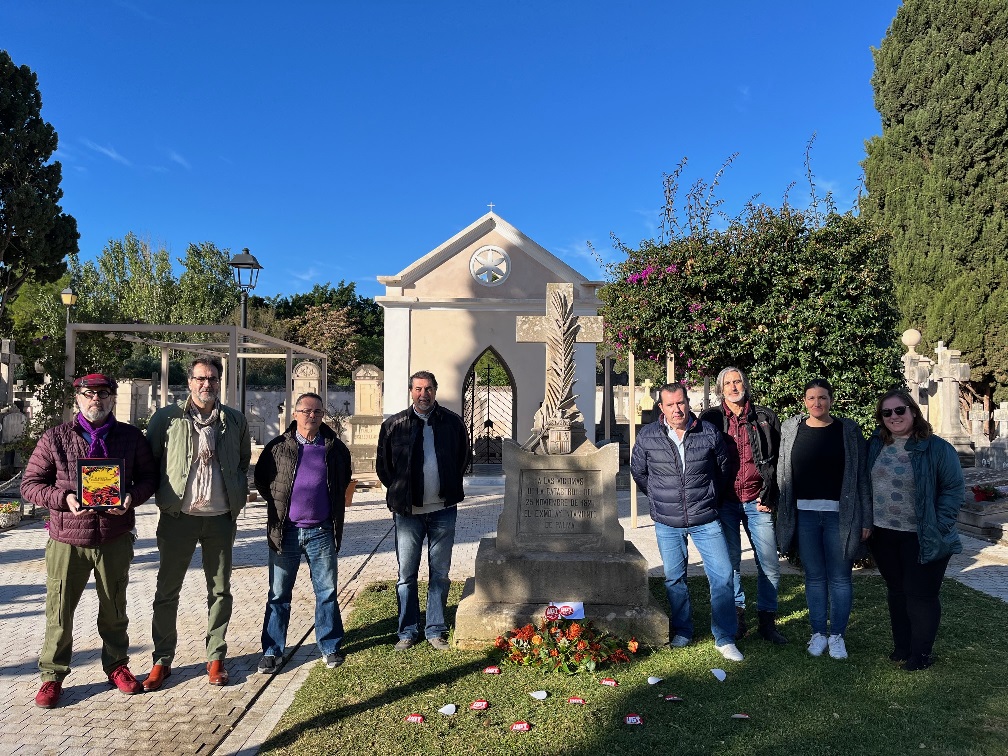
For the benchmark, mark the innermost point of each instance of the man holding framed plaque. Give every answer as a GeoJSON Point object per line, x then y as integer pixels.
{"type": "Point", "coordinates": [90, 527]}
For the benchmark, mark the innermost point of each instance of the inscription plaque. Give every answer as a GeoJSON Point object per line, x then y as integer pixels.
{"type": "Point", "coordinates": [559, 502]}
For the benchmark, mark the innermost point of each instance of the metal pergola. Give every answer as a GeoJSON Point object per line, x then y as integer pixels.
{"type": "Point", "coordinates": [241, 343]}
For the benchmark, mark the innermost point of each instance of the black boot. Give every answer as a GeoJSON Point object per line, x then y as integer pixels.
{"type": "Point", "coordinates": [742, 628]}
{"type": "Point", "coordinates": [768, 628]}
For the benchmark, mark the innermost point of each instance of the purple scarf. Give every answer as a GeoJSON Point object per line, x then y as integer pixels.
{"type": "Point", "coordinates": [97, 448]}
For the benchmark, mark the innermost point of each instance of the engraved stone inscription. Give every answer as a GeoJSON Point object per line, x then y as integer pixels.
{"type": "Point", "coordinates": [559, 502]}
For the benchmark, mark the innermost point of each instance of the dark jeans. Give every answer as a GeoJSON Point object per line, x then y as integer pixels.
{"type": "Point", "coordinates": [914, 606]}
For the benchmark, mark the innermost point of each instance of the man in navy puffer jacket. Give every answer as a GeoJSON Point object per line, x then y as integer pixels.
{"type": "Point", "coordinates": [681, 464]}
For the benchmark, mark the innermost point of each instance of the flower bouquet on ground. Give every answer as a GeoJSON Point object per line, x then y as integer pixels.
{"type": "Point", "coordinates": [985, 493]}
{"type": "Point", "coordinates": [564, 645]}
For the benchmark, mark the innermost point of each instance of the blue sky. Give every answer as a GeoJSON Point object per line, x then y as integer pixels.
{"type": "Point", "coordinates": [343, 140]}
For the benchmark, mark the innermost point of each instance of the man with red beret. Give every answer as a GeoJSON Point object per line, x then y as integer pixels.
{"type": "Point", "coordinates": [81, 539]}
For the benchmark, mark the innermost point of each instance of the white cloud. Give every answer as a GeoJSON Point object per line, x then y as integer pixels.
{"type": "Point", "coordinates": [176, 158]}
{"type": "Point", "coordinates": [108, 152]}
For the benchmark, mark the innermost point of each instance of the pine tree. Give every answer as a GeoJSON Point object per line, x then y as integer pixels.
{"type": "Point", "coordinates": [937, 177]}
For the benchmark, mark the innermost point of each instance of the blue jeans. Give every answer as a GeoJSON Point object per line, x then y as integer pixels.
{"type": "Point", "coordinates": [318, 545]}
{"type": "Point", "coordinates": [827, 574]}
{"type": "Point", "coordinates": [410, 530]}
{"type": "Point", "coordinates": [760, 529]}
{"type": "Point", "coordinates": [710, 542]}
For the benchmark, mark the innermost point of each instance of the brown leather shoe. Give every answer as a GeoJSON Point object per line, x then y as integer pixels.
{"type": "Point", "coordinates": [155, 679]}
{"type": "Point", "coordinates": [216, 672]}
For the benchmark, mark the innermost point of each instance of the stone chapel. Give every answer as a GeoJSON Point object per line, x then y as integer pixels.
{"type": "Point", "coordinates": [460, 300]}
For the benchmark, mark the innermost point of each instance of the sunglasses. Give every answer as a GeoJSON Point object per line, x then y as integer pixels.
{"type": "Point", "coordinates": [900, 411]}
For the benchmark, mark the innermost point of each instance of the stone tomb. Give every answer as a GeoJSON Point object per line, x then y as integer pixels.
{"type": "Point", "coordinates": [364, 424]}
{"type": "Point", "coordinates": [559, 536]}
{"type": "Point", "coordinates": [559, 539]}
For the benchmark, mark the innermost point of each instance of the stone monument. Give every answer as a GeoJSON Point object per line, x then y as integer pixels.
{"type": "Point", "coordinates": [12, 420]}
{"type": "Point", "coordinates": [364, 424]}
{"type": "Point", "coordinates": [995, 456]}
{"type": "Point", "coordinates": [949, 371]}
{"type": "Point", "coordinates": [307, 378]}
{"type": "Point", "coordinates": [559, 536]}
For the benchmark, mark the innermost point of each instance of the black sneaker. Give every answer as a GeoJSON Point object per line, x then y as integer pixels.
{"type": "Point", "coordinates": [333, 660]}
{"type": "Point", "coordinates": [268, 665]}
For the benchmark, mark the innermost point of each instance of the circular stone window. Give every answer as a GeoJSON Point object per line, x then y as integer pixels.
{"type": "Point", "coordinates": [490, 265]}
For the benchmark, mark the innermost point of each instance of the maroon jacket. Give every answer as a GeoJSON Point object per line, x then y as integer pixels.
{"type": "Point", "coordinates": [51, 474]}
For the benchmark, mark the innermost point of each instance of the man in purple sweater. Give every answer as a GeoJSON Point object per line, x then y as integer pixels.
{"type": "Point", "coordinates": [303, 475]}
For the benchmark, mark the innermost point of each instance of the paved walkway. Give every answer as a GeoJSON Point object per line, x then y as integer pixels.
{"type": "Point", "coordinates": [188, 716]}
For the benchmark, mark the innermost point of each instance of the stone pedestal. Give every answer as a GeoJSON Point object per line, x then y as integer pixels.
{"type": "Point", "coordinates": [559, 539]}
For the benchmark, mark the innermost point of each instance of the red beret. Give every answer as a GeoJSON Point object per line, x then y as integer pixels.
{"type": "Point", "coordinates": [95, 380]}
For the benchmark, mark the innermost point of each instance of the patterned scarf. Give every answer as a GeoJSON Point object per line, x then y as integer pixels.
{"type": "Point", "coordinates": [207, 432]}
{"type": "Point", "coordinates": [97, 433]}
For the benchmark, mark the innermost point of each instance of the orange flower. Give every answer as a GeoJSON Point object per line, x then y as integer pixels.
{"type": "Point", "coordinates": [632, 645]}
{"type": "Point", "coordinates": [554, 652]}
{"type": "Point", "coordinates": [574, 631]}
{"type": "Point", "coordinates": [536, 640]}
{"type": "Point", "coordinates": [582, 644]}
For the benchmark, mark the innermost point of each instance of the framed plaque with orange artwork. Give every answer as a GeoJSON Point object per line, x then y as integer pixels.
{"type": "Point", "coordinates": [99, 483]}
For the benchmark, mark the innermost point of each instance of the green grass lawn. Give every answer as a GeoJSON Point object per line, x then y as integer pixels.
{"type": "Point", "coordinates": [797, 704]}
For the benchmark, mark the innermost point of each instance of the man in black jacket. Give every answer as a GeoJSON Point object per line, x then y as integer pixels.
{"type": "Point", "coordinates": [423, 453]}
{"type": "Point", "coordinates": [752, 434]}
{"type": "Point", "coordinates": [303, 475]}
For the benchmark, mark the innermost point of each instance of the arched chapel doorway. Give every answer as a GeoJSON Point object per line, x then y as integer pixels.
{"type": "Point", "coordinates": [489, 409]}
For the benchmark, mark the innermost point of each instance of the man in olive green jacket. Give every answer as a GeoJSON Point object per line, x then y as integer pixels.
{"type": "Point", "coordinates": [203, 449]}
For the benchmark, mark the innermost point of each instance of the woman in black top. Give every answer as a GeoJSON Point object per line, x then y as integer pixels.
{"type": "Point", "coordinates": [824, 505]}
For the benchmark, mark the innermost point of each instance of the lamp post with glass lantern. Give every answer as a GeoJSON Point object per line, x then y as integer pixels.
{"type": "Point", "coordinates": [246, 273]}
{"type": "Point", "coordinates": [69, 299]}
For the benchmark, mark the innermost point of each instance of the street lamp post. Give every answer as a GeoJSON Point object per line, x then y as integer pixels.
{"type": "Point", "coordinates": [69, 299]}
{"type": "Point", "coordinates": [246, 273]}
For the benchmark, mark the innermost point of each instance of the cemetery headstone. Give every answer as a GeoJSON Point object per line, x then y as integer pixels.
{"type": "Point", "coordinates": [364, 424]}
{"type": "Point", "coordinates": [558, 536]}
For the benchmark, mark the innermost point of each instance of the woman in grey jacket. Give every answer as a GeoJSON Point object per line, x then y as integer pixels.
{"type": "Point", "coordinates": [917, 489]}
{"type": "Point", "coordinates": [825, 505]}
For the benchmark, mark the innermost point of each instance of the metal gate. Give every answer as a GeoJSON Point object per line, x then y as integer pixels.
{"type": "Point", "coordinates": [488, 409]}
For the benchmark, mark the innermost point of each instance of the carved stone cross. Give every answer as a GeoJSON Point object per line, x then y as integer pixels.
{"type": "Point", "coordinates": [560, 329]}
{"type": "Point", "coordinates": [1001, 418]}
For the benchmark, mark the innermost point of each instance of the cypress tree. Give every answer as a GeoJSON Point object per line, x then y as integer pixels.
{"type": "Point", "coordinates": [937, 177]}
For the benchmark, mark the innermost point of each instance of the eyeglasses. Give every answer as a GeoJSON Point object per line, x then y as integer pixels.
{"type": "Point", "coordinates": [900, 411]}
{"type": "Point", "coordinates": [205, 379]}
{"type": "Point", "coordinates": [311, 413]}
{"type": "Point", "coordinates": [103, 395]}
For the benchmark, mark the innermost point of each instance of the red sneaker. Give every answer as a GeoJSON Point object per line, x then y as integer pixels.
{"type": "Point", "coordinates": [123, 679]}
{"type": "Point", "coordinates": [49, 695]}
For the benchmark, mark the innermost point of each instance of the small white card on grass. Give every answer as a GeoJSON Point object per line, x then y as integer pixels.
{"type": "Point", "coordinates": [719, 674]}
{"type": "Point", "coordinates": [447, 709]}
{"type": "Point", "coordinates": [653, 680]}
{"type": "Point", "coordinates": [539, 695]}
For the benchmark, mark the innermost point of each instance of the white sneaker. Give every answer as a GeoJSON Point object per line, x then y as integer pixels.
{"type": "Point", "coordinates": [837, 647]}
{"type": "Point", "coordinates": [817, 644]}
{"type": "Point", "coordinates": [730, 652]}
